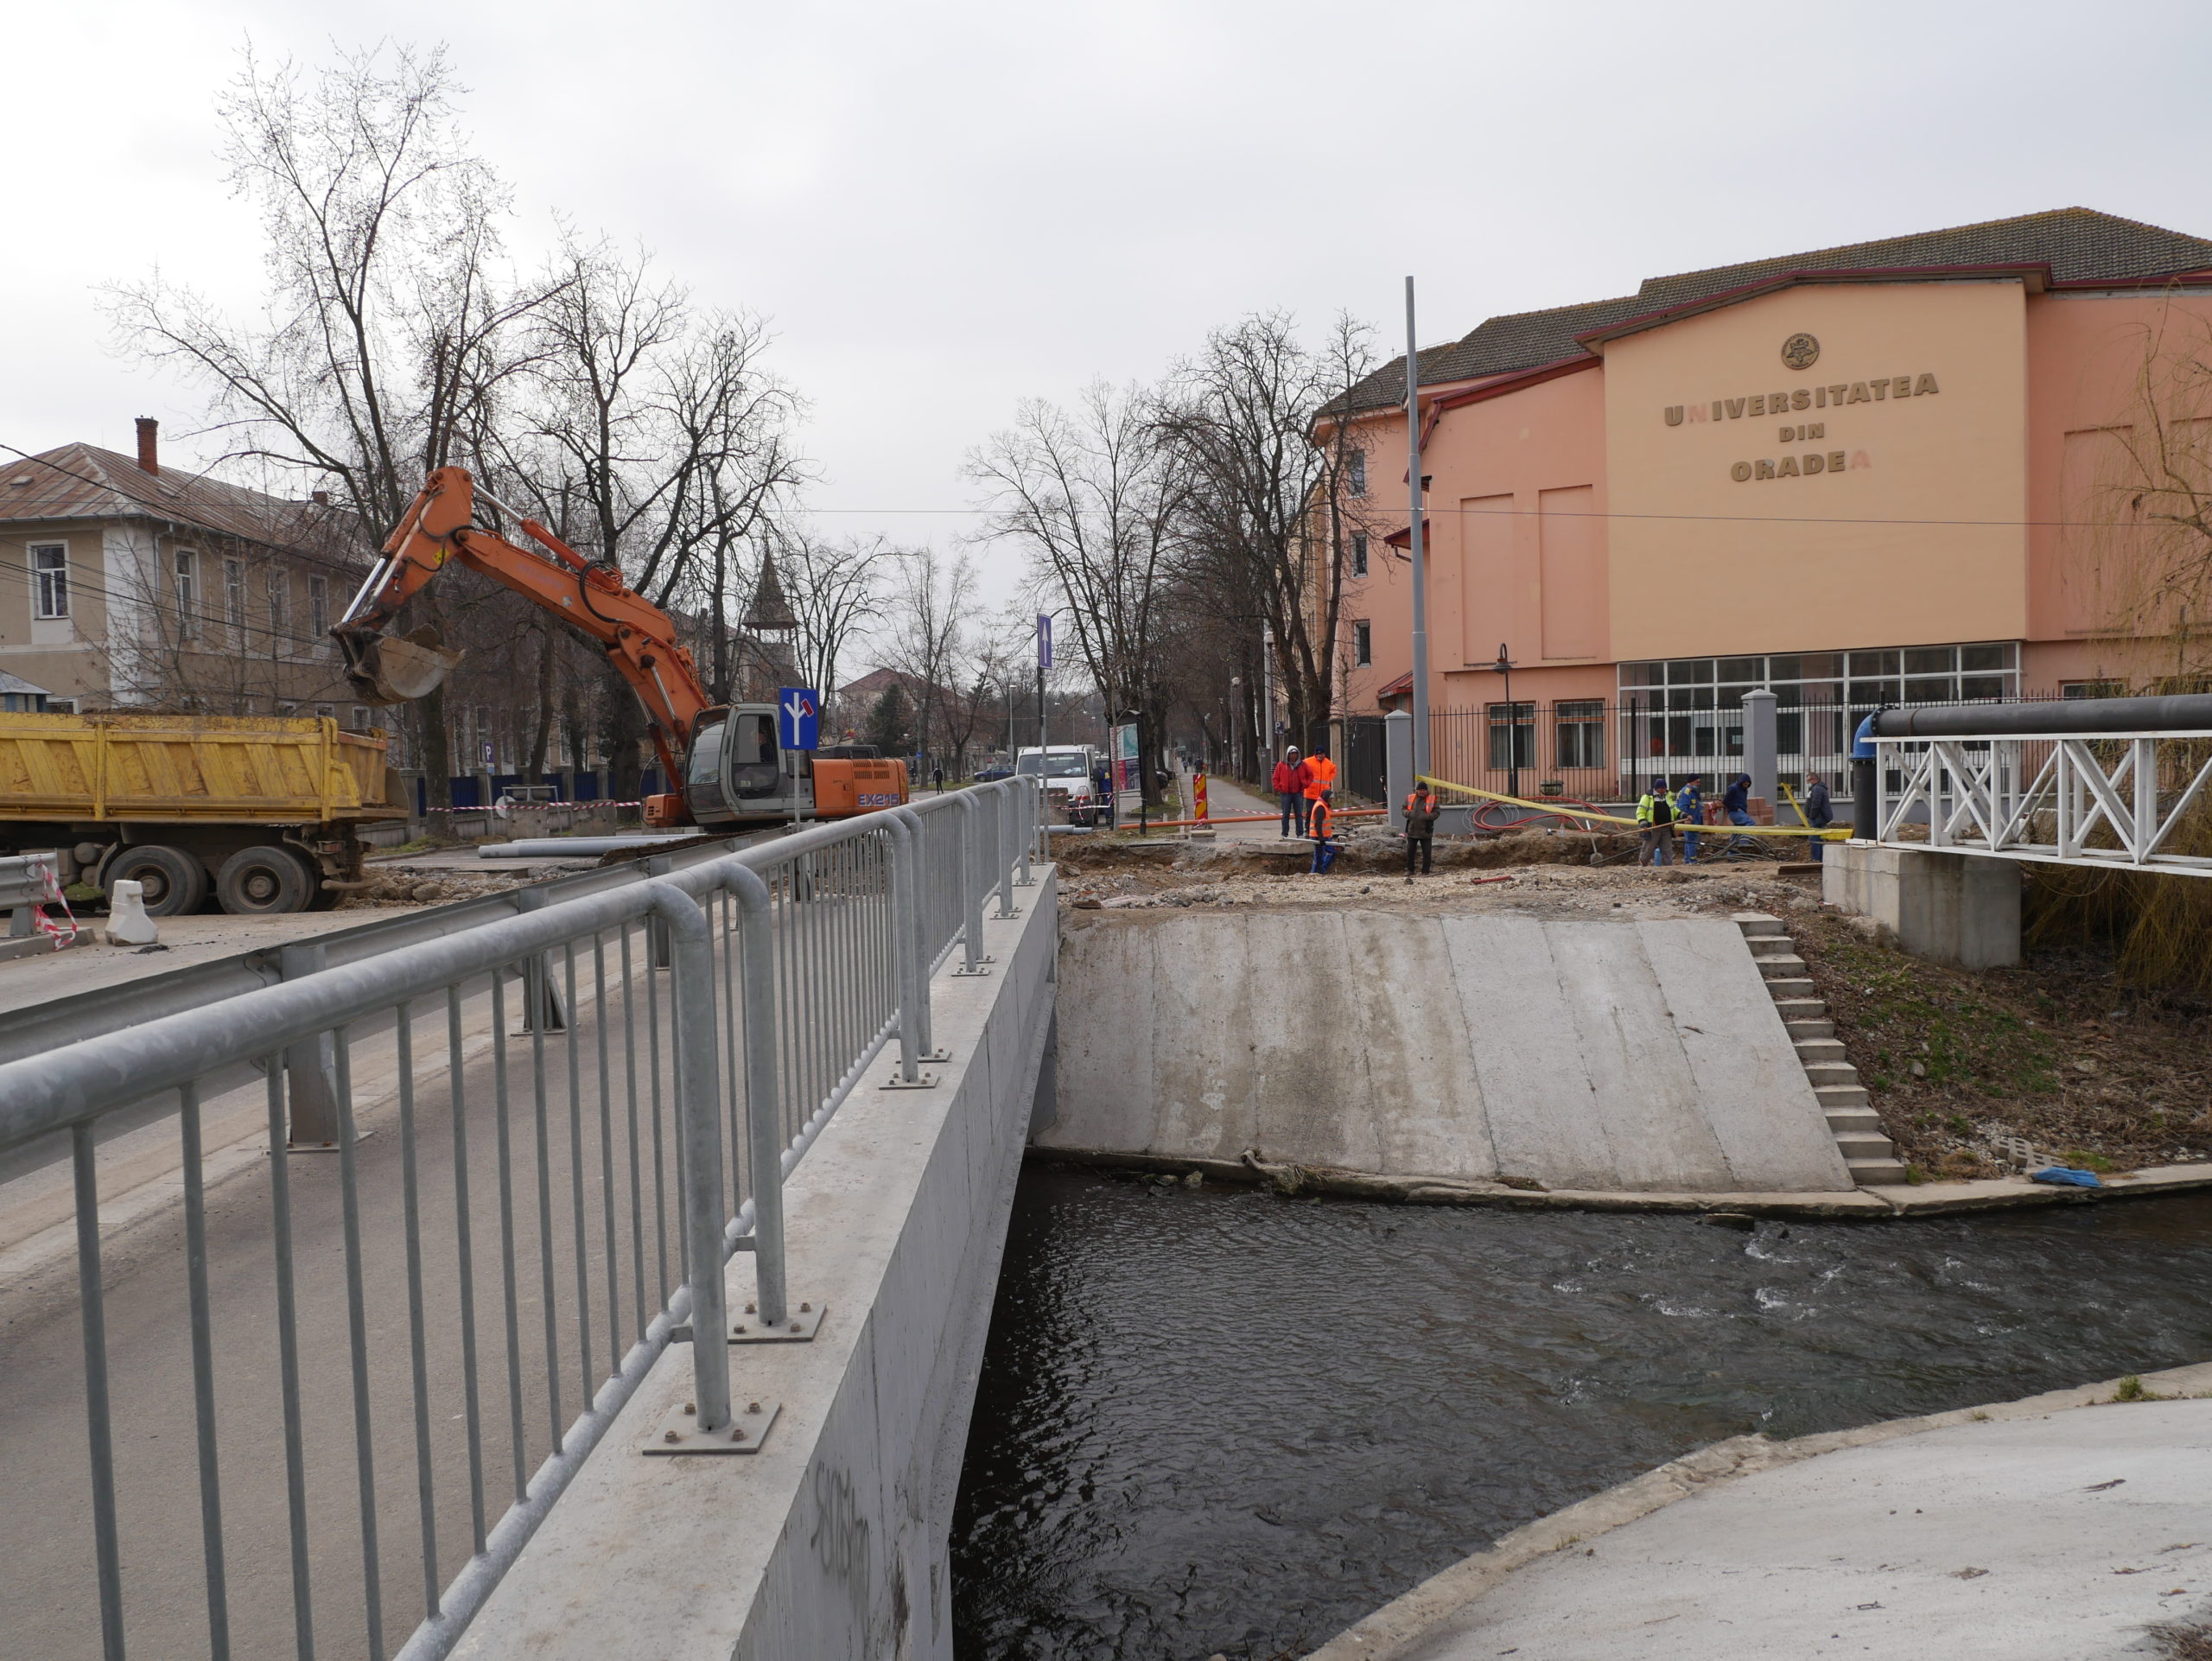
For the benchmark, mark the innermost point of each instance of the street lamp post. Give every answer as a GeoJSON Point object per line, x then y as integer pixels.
{"type": "Point", "coordinates": [1504, 666]}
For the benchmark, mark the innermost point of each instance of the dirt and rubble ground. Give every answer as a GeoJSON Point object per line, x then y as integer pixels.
{"type": "Point", "coordinates": [2055, 1052]}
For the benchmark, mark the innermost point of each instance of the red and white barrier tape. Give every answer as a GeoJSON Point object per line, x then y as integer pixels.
{"type": "Point", "coordinates": [512, 806]}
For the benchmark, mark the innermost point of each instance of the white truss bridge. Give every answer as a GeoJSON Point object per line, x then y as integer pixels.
{"type": "Point", "coordinates": [2103, 800]}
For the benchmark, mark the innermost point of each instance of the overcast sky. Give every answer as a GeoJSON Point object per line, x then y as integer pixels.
{"type": "Point", "coordinates": [943, 208]}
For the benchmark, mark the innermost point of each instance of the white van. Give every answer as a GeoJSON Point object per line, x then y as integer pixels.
{"type": "Point", "coordinates": [1070, 773]}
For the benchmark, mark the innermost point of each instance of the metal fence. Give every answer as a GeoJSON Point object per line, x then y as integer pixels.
{"type": "Point", "coordinates": [551, 1132]}
{"type": "Point", "coordinates": [1595, 751]}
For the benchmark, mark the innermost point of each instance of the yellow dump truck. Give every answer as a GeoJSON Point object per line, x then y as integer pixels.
{"type": "Point", "coordinates": [263, 814]}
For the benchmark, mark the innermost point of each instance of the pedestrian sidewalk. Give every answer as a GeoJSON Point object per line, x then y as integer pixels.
{"type": "Point", "coordinates": [2066, 1527]}
{"type": "Point", "coordinates": [1227, 798]}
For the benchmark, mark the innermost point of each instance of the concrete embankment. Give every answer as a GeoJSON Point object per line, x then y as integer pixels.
{"type": "Point", "coordinates": [1636, 1056]}
{"type": "Point", "coordinates": [2069, 1526]}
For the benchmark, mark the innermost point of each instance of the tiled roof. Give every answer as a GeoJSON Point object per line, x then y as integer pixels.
{"type": "Point", "coordinates": [2079, 244]}
{"type": "Point", "coordinates": [80, 481]}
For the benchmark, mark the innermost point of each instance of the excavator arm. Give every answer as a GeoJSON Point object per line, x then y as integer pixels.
{"type": "Point", "coordinates": [638, 636]}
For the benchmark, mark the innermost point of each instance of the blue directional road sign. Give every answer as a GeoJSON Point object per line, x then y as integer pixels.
{"type": "Point", "coordinates": [1043, 639]}
{"type": "Point", "coordinates": [798, 718]}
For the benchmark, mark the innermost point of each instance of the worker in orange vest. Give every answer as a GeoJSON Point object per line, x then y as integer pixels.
{"type": "Point", "coordinates": [1320, 776]}
{"type": "Point", "coordinates": [1421, 828]}
{"type": "Point", "coordinates": [1319, 822]}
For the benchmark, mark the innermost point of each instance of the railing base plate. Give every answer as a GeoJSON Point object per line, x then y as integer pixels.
{"type": "Point", "coordinates": [678, 1432]}
{"type": "Point", "coordinates": [799, 1326]}
{"type": "Point", "coordinates": [923, 1079]}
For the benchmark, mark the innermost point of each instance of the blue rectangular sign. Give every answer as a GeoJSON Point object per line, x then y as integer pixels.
{"type": "Point", "coordinates": [798, 718]}
{"type": "Point", "coordinates": [1043, 639]}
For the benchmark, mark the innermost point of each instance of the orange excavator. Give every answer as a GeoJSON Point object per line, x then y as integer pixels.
{"type": "Point", "coordinates": [724, 760]}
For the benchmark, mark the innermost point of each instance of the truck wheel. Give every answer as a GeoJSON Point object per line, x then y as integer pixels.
{"type": "Point", "coordinates": [264, 880]}
{"type": "Point", "coordinates": [175, 883]}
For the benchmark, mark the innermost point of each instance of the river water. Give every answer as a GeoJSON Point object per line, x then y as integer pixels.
{"type": "Point", "coordinates": [1222, 1421]}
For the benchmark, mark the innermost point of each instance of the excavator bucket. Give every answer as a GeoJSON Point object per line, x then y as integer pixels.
{"type": "Point", "coordinates": [397, 669]}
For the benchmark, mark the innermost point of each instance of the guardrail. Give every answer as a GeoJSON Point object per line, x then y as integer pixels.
{"type": "Point", "coordinates": [557, 1205]}
{"type": "Point", "coordinates": [38, 1028]}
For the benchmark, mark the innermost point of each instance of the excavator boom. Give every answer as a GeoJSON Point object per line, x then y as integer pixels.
{"type": "Point", "coordinates": [638, 636]}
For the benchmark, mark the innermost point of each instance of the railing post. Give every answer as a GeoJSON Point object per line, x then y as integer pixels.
{"type": "Point", "coordinates": [1008, 833]}
{"type": "Point", "coordinates": [540, 1005]}
{"type": "Point", "coordinates": [1024, 824]}
{"type": "Point", "coordinates": [763, 1102]}
{"type": "Point", "coordinates": [973, 960]}
{"type": "Point", "coordinates": [310, 1073]}
{"type": "Point", "coordinates": [699, 1130]}
{"type": "Point", "coordinates": [908, 950]}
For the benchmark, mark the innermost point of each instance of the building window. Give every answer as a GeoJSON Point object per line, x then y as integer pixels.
{"type": "Point", "coordinates": [1355, 471]}
{"type": "Point", "coordinates": [187, 594]}
{"type": "Point", "coordinates": [318, 612]}
{"type": "Point", "coordinates": [280, 613]}
{"type": "Point", "coordinates": [234, 599]}
{"type": "Point", "coordinates": [1581, 736]}
{"type": "Point", "coordinates": [288, 710]}
{"type": "Point", "coordinates": [1512, 735]}
{"type": "Point", "coordinates": [1359, 554]}
{"type": "Point", "coordinates": [328, 712]}
{"type": "Point", "coordinates": [61, 706]}
{"type": "Point", "coordinates": [50, 579]}
{"type": "Point", "coordinates": [1363, 644]}
{"type": "Point", "coordinates": [362, 721]}
{"type": "Point", "coordinates": [2092, 689]}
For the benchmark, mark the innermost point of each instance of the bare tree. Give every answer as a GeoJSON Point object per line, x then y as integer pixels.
{"type": "Point", "coordinates": [1089, 497]}
{"type": "Point", "coordinates": [927, 635]}
{"type": "Point", "coordinates": [1262, 464]}
{"type": "Point", "coordinates": [835, 590]}
{"type": "Point", "coordinates": [387, 321]}
{"type": "Point", "coordinates": [657, 440]}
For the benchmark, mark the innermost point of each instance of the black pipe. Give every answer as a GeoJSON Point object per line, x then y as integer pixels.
{"type": "Point", "coordinates": [1864, 809]}
{"type": "Point", "coordinates": [2190, 712]}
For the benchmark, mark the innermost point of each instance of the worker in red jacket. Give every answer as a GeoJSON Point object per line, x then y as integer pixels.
{"type": "Point", "coordinates": [1289, 781]}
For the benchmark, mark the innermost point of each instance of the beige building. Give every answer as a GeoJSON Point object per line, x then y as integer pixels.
{"type": "Point", "coordinates": [125, 584]}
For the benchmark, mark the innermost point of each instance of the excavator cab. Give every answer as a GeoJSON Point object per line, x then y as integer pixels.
{"type": "Point", "coordinates": [737, 774]}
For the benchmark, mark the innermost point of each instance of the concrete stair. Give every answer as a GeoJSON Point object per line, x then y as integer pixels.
{"type": "Point", "coordinates": [1869, 1155]}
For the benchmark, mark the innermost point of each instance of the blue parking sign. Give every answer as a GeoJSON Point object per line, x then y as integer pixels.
{"type": "Point", "coordinates": [798, 718]}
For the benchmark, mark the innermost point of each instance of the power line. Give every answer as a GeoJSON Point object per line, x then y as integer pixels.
{"type": "Point", "coordinates": [1693, 519]}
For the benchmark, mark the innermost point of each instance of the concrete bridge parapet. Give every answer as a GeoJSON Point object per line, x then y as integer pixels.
{"type": "Point", "coordinates": [831, 1541]}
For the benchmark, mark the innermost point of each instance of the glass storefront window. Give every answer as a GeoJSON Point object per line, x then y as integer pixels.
{"type": "Point", "coordinates": [1744, 671]}
{"type": "Point", "coordinates": [1873, 663]}
{"type": "Point", "coordinates": [1985, 657]}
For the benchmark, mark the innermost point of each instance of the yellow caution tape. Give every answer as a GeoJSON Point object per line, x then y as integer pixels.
{"type": "Point", "coordinates": [1591, 814]}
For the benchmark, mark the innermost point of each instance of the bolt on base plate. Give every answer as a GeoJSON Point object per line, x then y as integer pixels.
{"type": "Point", "coordinates": [923, 1079]}
{"type": "Point", "coordinates": [678, 1432]}
{"type": "Point", "coordinates": [799, 1324]}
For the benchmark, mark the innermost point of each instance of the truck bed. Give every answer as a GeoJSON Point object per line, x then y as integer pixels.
{"type": "Point", "coordinates": [190, 768]}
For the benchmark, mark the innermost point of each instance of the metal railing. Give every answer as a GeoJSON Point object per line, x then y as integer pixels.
{"type": "Point", "coordinates": [551, 1131]}
{"type": "Point", "coordinates": [2111, 799]}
